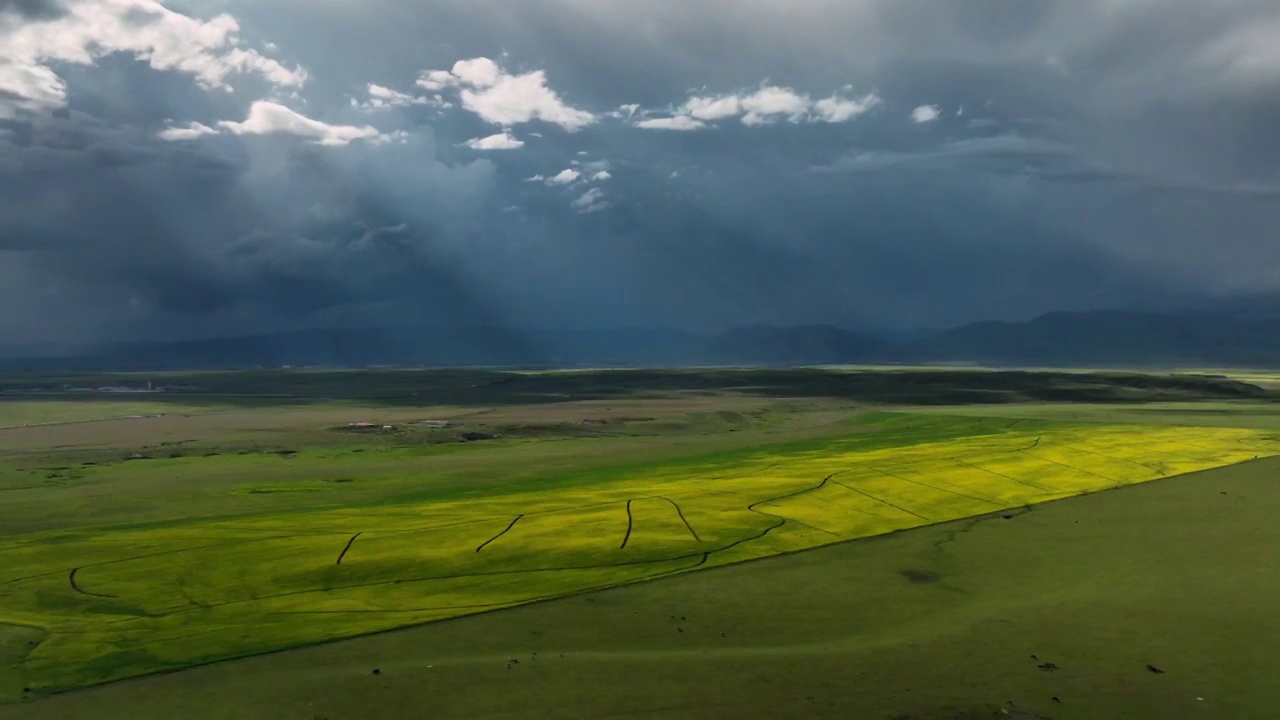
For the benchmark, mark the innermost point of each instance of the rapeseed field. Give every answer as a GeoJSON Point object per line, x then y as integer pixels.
{"type": "Point", "coordinates": [96, 606]}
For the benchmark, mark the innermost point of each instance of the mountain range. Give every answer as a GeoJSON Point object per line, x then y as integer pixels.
{"type": "Point", "coordinates": [1083, 339]}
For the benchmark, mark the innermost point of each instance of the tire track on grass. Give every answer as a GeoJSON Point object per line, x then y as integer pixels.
{"type": "Point", "coordinates": [488, 518]}
{"type": "Point", "coordinates": [683, 519]}
{"type": "Point", "coordinates": [505, 530]}
{"type": "Point", "coordinates": [350, 542]}
{"type": "Point", "coordinates": [783, 518]}
{"type": "Point", "coordinates": [72, 579]}
{"type": "Point", "coordinates": [630, 524]}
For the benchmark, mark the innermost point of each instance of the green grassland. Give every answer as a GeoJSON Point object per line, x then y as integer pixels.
{"type": "Point", "coordinates": [20, 413]}
{"type": "Point", "coordinates": [1263, 416]}
{"type": "Point", "coordinates": [138, 537]}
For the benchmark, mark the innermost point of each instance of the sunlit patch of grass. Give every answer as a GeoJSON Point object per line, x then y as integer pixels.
{"type": "Point", "coordinates": [127, 601]}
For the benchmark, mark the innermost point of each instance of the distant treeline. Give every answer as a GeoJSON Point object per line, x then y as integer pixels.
{"type": "Point", "coordinates": [494, 387]}
{"type": "Point", "coordinates": [1092, 339]}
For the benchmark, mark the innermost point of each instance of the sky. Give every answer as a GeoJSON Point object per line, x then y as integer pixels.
{"type": "Point", "coordinates": [192, 168]}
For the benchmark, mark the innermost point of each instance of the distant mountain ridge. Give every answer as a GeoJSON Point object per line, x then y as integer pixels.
{"type": "Point", "coordinates": [1105, 337]}
{"type": "Point", "coordinates": [1060, 339]}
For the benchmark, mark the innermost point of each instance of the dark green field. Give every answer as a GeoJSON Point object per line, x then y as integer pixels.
{"type": "Point", "coordinates": [1146, 601]}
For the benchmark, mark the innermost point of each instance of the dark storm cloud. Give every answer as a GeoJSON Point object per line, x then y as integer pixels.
{"type": "Point", "coordinates": [123, 220]}
{"type": "Point", "coordinates": [1088, 153]}
{"type": "Point", "coordinates": [32, 9]}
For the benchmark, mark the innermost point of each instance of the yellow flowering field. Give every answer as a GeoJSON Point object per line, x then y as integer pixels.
{"type": "Point", "coordinates": [106, 604]}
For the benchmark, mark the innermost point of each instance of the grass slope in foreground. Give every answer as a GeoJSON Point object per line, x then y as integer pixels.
{"type": "Point", "coordinates": [110, 604]}
{"type": "Point", "coordinates": [946, 622]}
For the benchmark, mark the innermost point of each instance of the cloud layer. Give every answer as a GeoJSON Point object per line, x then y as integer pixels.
{"type": "Point", "coordinates": [171, 169]}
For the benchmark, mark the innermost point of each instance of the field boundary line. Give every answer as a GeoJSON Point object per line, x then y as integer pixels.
{"type": "Point", "coordinates": [882, 501]}
{"type": "Point", "coordinates": [942, 489]}
{"type": "Point", "coordinates": [1006, 477]}
{"type": "Point", "coordinates": [1079, 470]}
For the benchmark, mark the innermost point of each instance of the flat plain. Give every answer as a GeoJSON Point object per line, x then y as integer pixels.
{"type": "Point", "coordinates": [207, 531]}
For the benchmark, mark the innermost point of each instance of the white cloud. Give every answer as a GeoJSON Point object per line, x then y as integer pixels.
{"type": "Point", "coordinates": [768, 104]}
{"type": "Point", "coordinates": [399, 137]}
{"type": "Point", "coordinates": [713, 108]}
{"type": "Point", "coordinates": [564, 177]}
{"type": "Point", "coordinates": [501, 141]}
{"type": "Point", "coordinates": [625, 111]}
{"type": "Point", "coordinates": [504, 99]}
{"type": "Point", "coordinates": [383, 98]}
{"type": "Point", "coordinates": [30, 88]}
{"type": "Point", "coordinates": [190, 132]}
{"type": "Point", "coordinates": [764, 106]}
{"type": "Point", "coordinates": [436, 80]}
{"type": "Point", "coordinates": [925, 114]}
{"type": "Point", "coordinates": [837, 109]}
{"type": "Point", "coordinates": [522, 98]}
{"type": "Point", "coordinates": [678, 122]}
{"type": "Point", "coordinates": [208, 50]}
{"type": "Point", "coordinates": [269, 118]}
{"type": "Point", "coordinates": [480, 72]}
{"type": "Point", "coordinates": [602, 176]}
{"type": "Point", "coordinates": [590, 201]}
{"type": "Point", "coordinates": [536, 178]}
